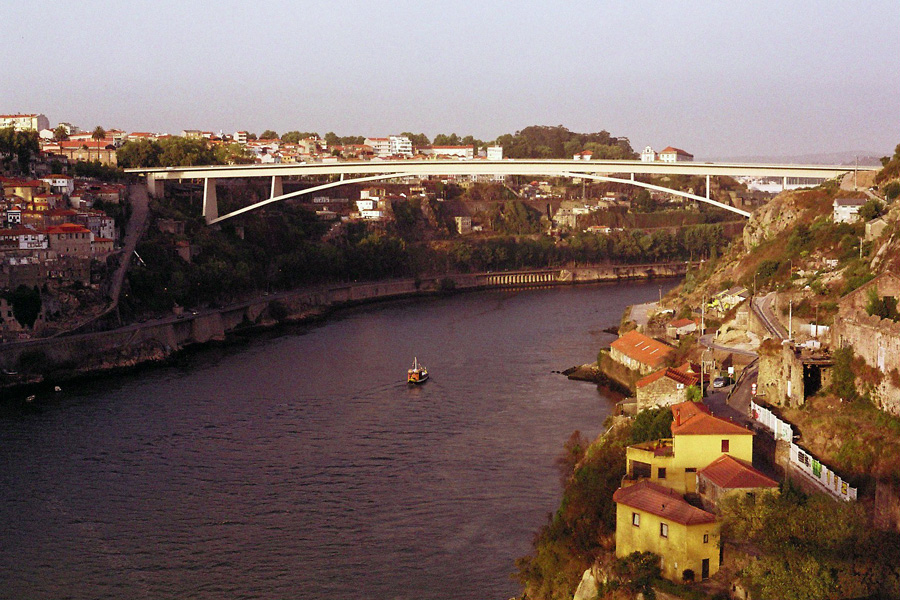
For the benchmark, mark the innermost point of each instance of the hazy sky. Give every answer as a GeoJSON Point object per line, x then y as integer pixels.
{"type": "Point", "coordinates": [717, 78]}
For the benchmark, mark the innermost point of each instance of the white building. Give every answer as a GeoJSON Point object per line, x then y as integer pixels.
{"type": "Point", "coordinates": [846, 210]}
{"type": "Point", "coordinates": [25, 122]}
{"type": "Point", "coordinates": [495, 153]}
{"type": "Point", "coordinates": [465, 152]}
{"type": "Point", "coordinates": [671, 154]}
{"type": "Point", "coordinates": [648, 155]}
{"type": "Point", "coordinates": [70, 129]}
{"type": "Point", "coordinates": [240, 137]}
{"type": "Point", "coordinates": [60, 184]}
{"type": "Point", "coordinates": [380, 146]}
{"type": "Point", "coordinates": [400, 145]}
{"type": "Point", "coordinates": [583, 155]}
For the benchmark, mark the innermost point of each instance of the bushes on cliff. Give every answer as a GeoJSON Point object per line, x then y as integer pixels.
{"type": "Point", "coordinates": [581, 529]}
{"type": "Point", "coordinates": [812, 547]}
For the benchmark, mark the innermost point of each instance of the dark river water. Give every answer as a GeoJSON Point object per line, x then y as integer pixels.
{"type": "Point", "coordinates": [301, 465]}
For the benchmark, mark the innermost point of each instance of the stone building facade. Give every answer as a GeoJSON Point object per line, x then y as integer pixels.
{"type": "Point", "coordinates": [875, 340]}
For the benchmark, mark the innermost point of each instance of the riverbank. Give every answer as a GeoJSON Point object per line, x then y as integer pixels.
{"type": "Point", "coordinates": [60, 359]}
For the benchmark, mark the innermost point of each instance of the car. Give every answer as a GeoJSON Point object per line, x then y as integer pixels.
{"type": "Point", "coordinates": [720, 382]}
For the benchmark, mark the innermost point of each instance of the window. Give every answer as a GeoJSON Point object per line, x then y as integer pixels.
{"type": "Point", "coordinates": [690, 470]}
{"type": "Point", "coordinates": [636, 519]}
{"type": "Point", "coordinates": [705, 538]}
{"type": "Point", "coordinates": [724, 445]}
{"type": "Point", "coordinates": [661, 473]}
{"type": "Point", "coordinates": [664, 530]}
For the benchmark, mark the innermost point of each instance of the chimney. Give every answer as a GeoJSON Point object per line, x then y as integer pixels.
{"type": "Point", "coordinates": [677, 412]}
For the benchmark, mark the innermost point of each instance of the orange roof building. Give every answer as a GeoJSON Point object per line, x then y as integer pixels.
{"type": "Point", "coordinates": [698, 439]}
{"type": "Point", "coordinates": [653, 518]}
{"type": "Point", "coordinates": [639, 352]}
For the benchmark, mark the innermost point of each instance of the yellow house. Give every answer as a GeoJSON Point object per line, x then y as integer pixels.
{"type": "Point", "coordinates": [653, 518]}
{"type": "Point", "coordinates": [698, 438]}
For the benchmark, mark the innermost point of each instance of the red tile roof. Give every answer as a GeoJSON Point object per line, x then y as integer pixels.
{"type": "Point", "coordinates": [676, 150]}
{"type": "Point", "coordinates": [67, 228]}
{"type": "Point", "coordinates": [682, 323]}
{"type": "Point", "coordinates": [663, 502]}
{"type": "Point", "coordinates": [731, 473]}
{"type": "Point", "coordinates": [681, 375]}
{"type": "Point", "coordinates": [642, 349]}
{"type": "Point", "coordinates": [693, 418]}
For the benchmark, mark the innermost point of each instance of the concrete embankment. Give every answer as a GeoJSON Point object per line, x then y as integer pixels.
{"type": "Point", "coordinates": [61, 357]}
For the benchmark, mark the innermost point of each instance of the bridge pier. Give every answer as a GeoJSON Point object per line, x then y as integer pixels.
{"type": "Point", "coordinates": [707, 187]}
{"type": "Point", "coordinates": [210, 203]}
{"type": "Point", "coordinates": [784, 183]}
{"type": "Point", "coordinates": [277, 189]}
{"type": "Point", "coordinates": [156, 187]}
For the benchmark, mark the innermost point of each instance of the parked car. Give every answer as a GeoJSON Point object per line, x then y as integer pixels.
{"type": "Point", "coordinates": [720, 382]}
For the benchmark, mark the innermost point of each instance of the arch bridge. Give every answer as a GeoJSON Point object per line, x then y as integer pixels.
{"type": "Point", "coordinates": [369, 171]}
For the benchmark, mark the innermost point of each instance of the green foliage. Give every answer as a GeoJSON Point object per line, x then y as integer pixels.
{"type": "Point", "coordinates": [60, 134]}
{"type": "Point", "coordinates": [26, 305]}
{"type": "Point", "coordinates": [651, 424]}
{"type": "Point", "coordinates": [571, 539]}
{"type": "Point", "coordinates": [268, 134]}
{"type": "Point", "coordinates": [417, 139]}
{"type": "Point", "coordinates": [168, 152]}
{"type": "Point", "coordinates": [892, 190]}
{"type": "Point", "coordinates": [558, 142]}
{"type": "Point", "coordinates": [18, 145]}
{"type": "Point", "coordinates": [292, 137]}
{"type": "Point", "coordinates": [871, 210]}
{"type": "Point", "coordinates": [812, 547]}
{"type": "Point", "coordinates": [766, 271]}
{"type": "Point", "coordinates": [843, 378]}
{"type": "Point", "coordinates": [99, 133]}
{"type": "Point", "coordinates": [637, 573]}
{"type": "Point", "coordinates": [881, 306]}
{"type": "Point", "coordinates": [642, 202]}
{"type": "Point", "coordinates": [97, 170]}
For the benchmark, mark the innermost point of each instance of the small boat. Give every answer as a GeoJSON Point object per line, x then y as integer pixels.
{"type": "Point", "coordinates": [418, 373]}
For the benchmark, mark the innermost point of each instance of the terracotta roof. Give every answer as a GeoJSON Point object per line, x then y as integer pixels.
{"type": "Point", "coordinates": [731, 473]}
{"type": "Point", "coordinates": [67, 228]}
{"type": "Point", "coordinates": [663, 502]}
{"type": "Point", "coordinates": [680, 375]}
{"type": "Point", "coordinates": [642, 348]}
{"type": "Point", "coordinates": [676, 150]}
{"type": "Point", "coordinates": [694, 418]}
{"type": "Point", "coordinates": [682, 322]}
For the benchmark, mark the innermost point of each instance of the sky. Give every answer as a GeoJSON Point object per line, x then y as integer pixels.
{"type": "Point", "coordinates": [716, 78]}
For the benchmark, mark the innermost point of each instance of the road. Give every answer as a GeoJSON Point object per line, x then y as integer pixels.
{"type": "Point", "coordinates": [707, 340]}
{"type": "Point", "coordinates": [762, 307]}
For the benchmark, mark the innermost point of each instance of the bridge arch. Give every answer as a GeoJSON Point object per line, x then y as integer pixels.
{"type": "Point", "coordinates": [213, 218]}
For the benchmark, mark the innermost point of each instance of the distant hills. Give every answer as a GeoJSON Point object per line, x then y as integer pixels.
{"type": "Point", "coordinates": [866, 158]}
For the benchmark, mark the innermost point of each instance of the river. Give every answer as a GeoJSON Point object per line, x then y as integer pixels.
{"type": "Point", "coordinates": [300, 464]}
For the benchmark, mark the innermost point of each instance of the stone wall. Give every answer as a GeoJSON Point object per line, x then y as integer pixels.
{"type": "Point", "coordinates": [662, 392]}
{"type": "Point", "coordinates": [137, 343]}
{"type": "Point", "coordinates": [780, 379]}
{"type": "Point", "coordinates": [877, 342]}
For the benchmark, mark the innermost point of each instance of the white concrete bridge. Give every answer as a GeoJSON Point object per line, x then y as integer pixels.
{"type": "Point", "coordinates": [368, 171]}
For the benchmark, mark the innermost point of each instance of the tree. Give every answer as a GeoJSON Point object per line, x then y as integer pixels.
{"type": "Point", "coordinates": [21, 145]}
{"type": "Point", "coordinates": [268, 134]}
{"type": "Point", "coordinates": [26, 305]}
{"type": "Point", "coordinates": [892, 190]}
{"type": "Point", "coordinates": [417, 139]}
{"type": "Point", "coordinates": [60, 134]}
{"type": "Point", "coordinates": [881, 306]}
{"type": "Point", "coordinates": [871, 210]}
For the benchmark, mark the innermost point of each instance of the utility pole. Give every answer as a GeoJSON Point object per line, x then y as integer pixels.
{"type": "Point", "coordinates": [791, 320]}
